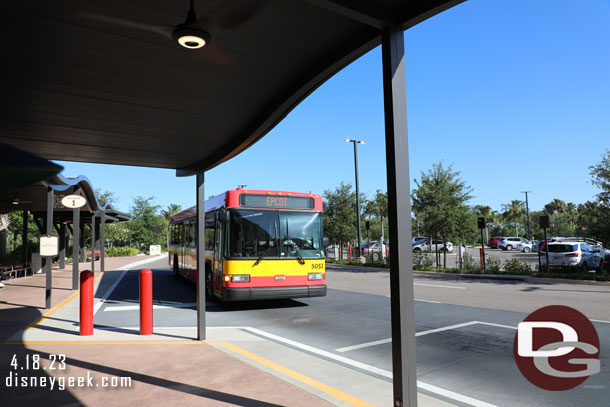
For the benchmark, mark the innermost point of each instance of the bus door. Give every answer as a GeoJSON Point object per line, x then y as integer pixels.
{"type": "Point", "coordinates": [218, 238]}
{"type": "Point", "coordinates": [186, 249]}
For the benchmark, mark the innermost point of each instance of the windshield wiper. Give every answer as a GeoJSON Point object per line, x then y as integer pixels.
{"type": "Point", "coordinates": [293, 244]}
{"type": "Point", "coordinates": [259, 259]}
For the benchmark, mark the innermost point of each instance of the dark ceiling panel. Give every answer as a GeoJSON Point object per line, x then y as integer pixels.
{"type": "Point", "coordinates": [76, 86]}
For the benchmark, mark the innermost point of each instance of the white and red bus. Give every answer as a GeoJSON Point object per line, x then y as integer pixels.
{"type": "Point", "coordinates": [258, 245]}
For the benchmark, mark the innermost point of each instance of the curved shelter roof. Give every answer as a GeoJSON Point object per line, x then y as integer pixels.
{"type": "Point", "coordinates": [92, 82]}
{"type": "Point", "coordinates": [34, 199]}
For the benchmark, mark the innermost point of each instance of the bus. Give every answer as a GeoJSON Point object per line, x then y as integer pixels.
{"type": "Point", "coordinates": [258, 245]}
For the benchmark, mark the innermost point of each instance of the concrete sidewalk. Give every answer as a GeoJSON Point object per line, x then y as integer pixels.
{"type": "Point", "coordinates": [233, 366]}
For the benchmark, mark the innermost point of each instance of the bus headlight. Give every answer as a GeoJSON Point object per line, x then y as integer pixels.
{"type": "Point", "coordinates": [240, 278]}
{"type": "Point", "coordinates": [315, 276]}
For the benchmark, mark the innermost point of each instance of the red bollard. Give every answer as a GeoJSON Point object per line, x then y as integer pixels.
{"type": "Point", "coordinates": [146, 305]}
{"type": "Point", "coordinates": [86, 303]}
{"type": "Point", "coordinates": [482, 254]}
{"type": "Point", "coordinates": [349, 250]}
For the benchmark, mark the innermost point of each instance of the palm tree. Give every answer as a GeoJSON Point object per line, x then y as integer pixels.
{"type": "Point", "coordinates": [485, 212]}
{"type": "Point", "coordinates": [172, 209]}
{"type": "Point", "coordinates": [514, 211]}
{"type": "Point", "coordinates": [571, 209]}
{"type": "Point", "coordinates": [554, 207]}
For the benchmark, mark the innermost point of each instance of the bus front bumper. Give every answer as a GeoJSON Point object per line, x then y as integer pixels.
{"type": "Point", "coordinates": [267, 293]}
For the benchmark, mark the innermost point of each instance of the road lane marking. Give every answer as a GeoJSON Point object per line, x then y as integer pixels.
{"type": "Point", "coordinates": [336, 393]}
{"type": "Point", "coordinates": [125, 269]}
{"type": "Point", "coordinates": [441, 286]}
{"type": "Point", "coordinates": [430, 301]}
{"type": "Point", "coordinates": [453, 395]}
{"type": "Point", "coordinates": [372, 369]}
{"type": "Point", "coordinates": [364, 345]}
{"type": "Point", "coordinates": [599, 320]}
{"type": "Point", "coordinates": [108, 292]}
{"type": "Point", "coordinates": [422, 333]}
{"type": "Point", "coordinates": [137, 307]}
{"type": "Point", "coordinates": [446, 328]}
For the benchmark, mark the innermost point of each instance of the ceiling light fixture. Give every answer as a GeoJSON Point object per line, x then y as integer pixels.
{"type": "Point", "coordinates": [191, 38]}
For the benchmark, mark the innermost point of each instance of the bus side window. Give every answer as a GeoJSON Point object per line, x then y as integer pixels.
{"type": "Point", "coordinates": [210, 223]}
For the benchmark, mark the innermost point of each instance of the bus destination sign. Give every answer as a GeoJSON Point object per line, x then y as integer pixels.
{"type": "Point", "coordinates": [269, 201]}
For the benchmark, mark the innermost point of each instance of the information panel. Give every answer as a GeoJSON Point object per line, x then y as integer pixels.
{"type": "Point", "coordinates": [48, 245]}
{"type": "Point", "coordinates": [276, 201]}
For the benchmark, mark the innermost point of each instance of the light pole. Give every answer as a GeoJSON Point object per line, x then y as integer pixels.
{"type": "Point", "coordinates": [527, 210]}
{"type": "Point", "coordinates": [355, 142]}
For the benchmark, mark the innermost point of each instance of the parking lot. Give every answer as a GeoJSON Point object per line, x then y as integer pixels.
{"type": "Point", "coordinates": [474, 251]}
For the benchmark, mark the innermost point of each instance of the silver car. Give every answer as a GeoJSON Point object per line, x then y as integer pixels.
{"type": "Point", "coordinates": [573, 254]}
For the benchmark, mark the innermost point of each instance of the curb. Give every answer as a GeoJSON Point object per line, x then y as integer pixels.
{"type": "Point", "coordinates": [506, 277]}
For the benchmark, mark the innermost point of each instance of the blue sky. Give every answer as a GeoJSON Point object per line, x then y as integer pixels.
{"type": "Point", "coordinates": [515, 94]}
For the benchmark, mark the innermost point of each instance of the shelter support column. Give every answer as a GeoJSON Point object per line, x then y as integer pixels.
{"type": "Point", "coordinates": [76, 244]}
{"type": "Point", "coordinates": [93, 243]}
{"type": "Point", "coordinates": [82, 248]}
{"type": "Point", "coordinates": [102, 240]}
{"type": "Point", "coordinates": [200, 239]}
{"type": "Point", "coordinates": [24, 235]}
{"type": "Point", "coordinates": [399, 207]}
{"type": "Point", "coordinates": [48, 265]}
{"type": "Point", "coordinates": [62, 246]}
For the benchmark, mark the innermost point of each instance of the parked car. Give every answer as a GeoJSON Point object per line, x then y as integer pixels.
{"type": "Point", "coordinates": [422, 246]}
{"type": "Point", "coordinates": [493, 242]}
{"type": "Point", "coordinates": [509, 243]}
{"type": "Point", "coordinates": [525, 247]}
{"type": "Point", "coordinates": [373, 249]}
{"type": "Point", "coordinates": [573, 254]}
{"type": "Point", "coordinates": [535, 244]}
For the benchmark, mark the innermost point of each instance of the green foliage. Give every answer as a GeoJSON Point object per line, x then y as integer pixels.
{"type": "Point", "coordinates": [340, 214]}
{"type": "Point", "coordinates": [378, 207]}
{"type": "Point", "coordinates": [439, 201]}
{"type": "Point", "coordinates": [172, 209]}
{"type": "Point", "coordinates": [514, 212]}
{"type": "Point", "coordinates": [422, 261]}
{"type": "Point", "coordinates": [117, 234]}
{"type": "Point", "coordinates": [357, 263]}
{"type": "Point", "coordinates": [121, 251]}
{"type": "Point", "coordinates": [516, 266]}
{"type": "Point", "coordinates": [105, 198]}
{"type": "Point", "coordinates": [144, 219]}
{"type": "Point", "coordinates": [493, 264]}
{"type": "Point", "coordinates": [470, 264]}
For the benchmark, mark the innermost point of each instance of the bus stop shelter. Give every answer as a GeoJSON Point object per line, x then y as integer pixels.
{"type": "Point", "coordinates": [108, 82]}
{"type": "Point", "coordinates": [43, 201]}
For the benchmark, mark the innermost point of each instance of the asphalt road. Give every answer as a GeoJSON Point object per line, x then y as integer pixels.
{"type": "Point", "coordinates": [465, 328]}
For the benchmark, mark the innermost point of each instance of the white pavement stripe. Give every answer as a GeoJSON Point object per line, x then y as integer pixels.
{"type": "Point", "coordinates": [498, 325]}
{"type": "Point", "coordinates": [599, 320]}
{"type": "Point", "coordinates": [108, 292]}
{"type": "Point", "coordinates": [137, 307]}
{"type": "Point", "coordinates": [432, 302]}
{"type": "Point", "coordinates": [125, 269]}
{"type": "Point", "coordinates": [453, 395]}
{"type": "Point", "coordinates": [364, 345]}
{"type": "Point", "coordinates": [441, 286]}
{"type": "Point", "coordinates": [320, 352]}
{"type": "Point", "coordinates": [425, 386]}
{"type": "Point", "coordinates": [446, 328]}
{"type": "Point", "coordinates": [422, 333]}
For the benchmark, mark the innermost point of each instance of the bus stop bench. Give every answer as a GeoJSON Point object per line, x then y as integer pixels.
{"type": "Point", "coordinates": [98, 253]}
{"type": "Point", "coordinates": [10, 271]}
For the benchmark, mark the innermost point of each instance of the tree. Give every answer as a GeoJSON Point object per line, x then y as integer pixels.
{"type": "Point", "coordinates": [105, 198]}
{"type": "Point", "coordinates": [172, 209]}
{"type": "Point", "coordinates": [378, 206]}
{"type": "Point", "coordinates": [485, 212]}
{"type": "Point", "coordinates": [571, 210]}
{"type": "Point", "coordinates": [144, 220]}
{"type": "Point", "coordinates": [554, 207]}
{"type": "Point", "coordinates": [340, 214]}
{"type": "Point", "coordinates": [601, 178]}
{"type": "Point", "coordinates": [440, 197]}
{"type": "Point", "coordinates": [513, 212]}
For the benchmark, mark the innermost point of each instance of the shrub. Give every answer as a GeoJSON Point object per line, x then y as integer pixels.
{"type": "Point", "coordinates": [493, 264]}
{"type": "Point", "coordinates": [121, 251]}
{"type": "Point", "coordinates": [469, 263]}
{"type": "Point", "coordinates": [422, 260]}
{"type": "Point", "coordinates": [515, 266]}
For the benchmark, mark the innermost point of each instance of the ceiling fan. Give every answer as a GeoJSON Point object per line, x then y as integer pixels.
{"type": "Point", "coordinates": [191, 33]}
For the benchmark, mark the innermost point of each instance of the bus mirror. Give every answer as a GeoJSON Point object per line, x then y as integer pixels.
{"type": "Point", "coordinates": [325, 242]}
{"type": "Point", "coordinates": [223, 216]}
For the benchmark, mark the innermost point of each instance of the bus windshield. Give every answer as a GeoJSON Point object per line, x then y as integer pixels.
{"type": "Point", "coordinates": [273, 234]}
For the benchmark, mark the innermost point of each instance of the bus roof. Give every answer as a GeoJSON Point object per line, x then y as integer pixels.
{"type": "Point", "coordinates": [230, 199]}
